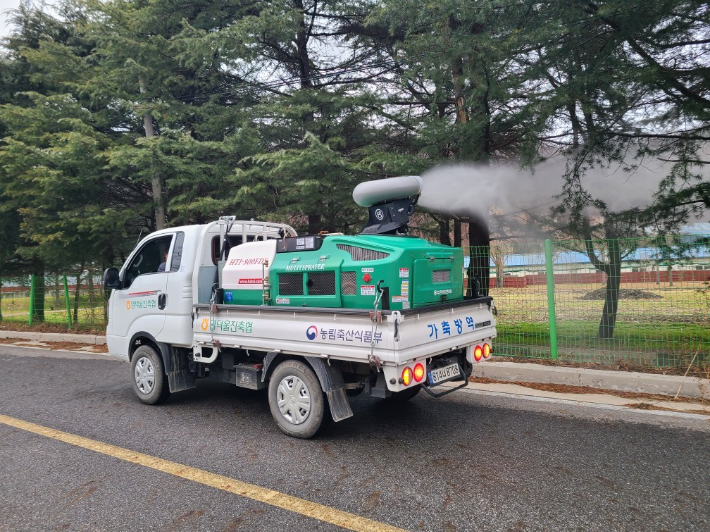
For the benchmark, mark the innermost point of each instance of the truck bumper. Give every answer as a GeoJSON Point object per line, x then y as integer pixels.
{"type": "Point", "coordinates": [117, 346]}
{"type": "Point", "coordinates": [463, 359]}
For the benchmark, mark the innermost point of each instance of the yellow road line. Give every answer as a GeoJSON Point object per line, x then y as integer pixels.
{"type": "Point", "coordinates": [250, 491]}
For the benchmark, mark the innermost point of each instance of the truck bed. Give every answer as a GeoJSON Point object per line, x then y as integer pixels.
{"type": "Point", "coordinates": [347, 334]}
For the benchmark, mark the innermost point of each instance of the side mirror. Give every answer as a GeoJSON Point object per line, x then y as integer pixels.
{"type": "Point", "coordinates": [111, 278]}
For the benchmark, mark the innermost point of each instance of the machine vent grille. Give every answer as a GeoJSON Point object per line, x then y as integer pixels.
{"type": "Point", "coordinates": [348, 284]}
{"type": "Point", "coordinates": [441, 276]}
{"type": "Point", "coordinates": [363, 253]}
{"type": "Point", "coordinates": [321, 284]}
{"type": "Point", "coordinates": [291, 284]}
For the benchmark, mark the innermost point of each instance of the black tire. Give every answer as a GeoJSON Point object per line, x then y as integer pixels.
{"type": "Point", "coordinates": [298, 419]}
{"type": "Point", "coordinates": [405, 395]}
{"type": "Point", "coordinates": [150, 383]}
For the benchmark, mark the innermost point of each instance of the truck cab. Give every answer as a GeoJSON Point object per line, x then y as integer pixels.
{"type": "Point", "coordinates": [168, 271]}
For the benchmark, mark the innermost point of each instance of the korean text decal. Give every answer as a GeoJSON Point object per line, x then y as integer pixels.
{"type": "Point", "coordinates": [344, 335]}
{"type": "Point", "coordinates": [234, 326]}
{"type": "Point", "coordinates": [446, 328]}
{"type": "Point", "coordinates": [146, 303]}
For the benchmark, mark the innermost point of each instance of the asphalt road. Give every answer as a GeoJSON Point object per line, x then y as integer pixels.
{"type": "Point", "coordinates": [463, 462]}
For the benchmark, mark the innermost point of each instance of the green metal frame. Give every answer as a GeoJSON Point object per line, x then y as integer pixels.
{"type": "Point", "coordinates": [552, 315]}
{"type": "Point", "coordinates": [30, 320]}
{"type": "Point", "coordinates": [66, 300]}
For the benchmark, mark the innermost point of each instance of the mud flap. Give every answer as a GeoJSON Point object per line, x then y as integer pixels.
{"type": "Point", "coordinates": [331, 380]}
{"type": "Point", "coordinates": [181, 380]}
{"type": "Point", "coordinates": [177, 368]}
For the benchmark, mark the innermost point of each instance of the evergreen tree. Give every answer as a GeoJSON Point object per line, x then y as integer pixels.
{"type": "Point", "coordinates": [457, 91]}
{"type": "Point", "coordinates": [20, 253]}
{"type": "Point", "coordinates": [306, 117]}
{"type": "Point", "coordinates": [619, 88]}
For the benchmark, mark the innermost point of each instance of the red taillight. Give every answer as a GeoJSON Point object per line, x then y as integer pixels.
{"type": "Point", "coordinates": [486, 350]}
{"type": "Point", "coordinates": [478, 353]}
{"type": "Point", "coordinates": [418, 372]}
{"type": "Point", "coordinates": [407, 376]}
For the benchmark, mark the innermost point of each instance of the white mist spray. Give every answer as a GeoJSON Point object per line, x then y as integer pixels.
{"type": "Point", "coordinates": [476, 189]}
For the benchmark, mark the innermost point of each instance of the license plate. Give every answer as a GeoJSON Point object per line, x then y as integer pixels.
{"type": "Point", "coordinates": [439, 375]}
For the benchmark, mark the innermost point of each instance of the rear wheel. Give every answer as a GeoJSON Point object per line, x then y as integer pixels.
{"type": "Point", "coordinates": [149, 381]}
{"type": "Point", "coordinates": [296, 399]}
{"type": "Point", "coordinates": [405, 395]}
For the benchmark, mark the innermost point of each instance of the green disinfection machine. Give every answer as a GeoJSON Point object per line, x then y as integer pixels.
{"type": "Point", "coordinates": [380, 264]}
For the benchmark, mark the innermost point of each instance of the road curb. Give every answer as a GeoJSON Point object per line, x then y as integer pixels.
{"type": "Point", "coordinates": [623, 381]}
{"type": "Point", "coordinates": [55, 337]}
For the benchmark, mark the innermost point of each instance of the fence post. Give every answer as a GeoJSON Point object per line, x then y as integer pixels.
{"type": "Point", "coordinates": [550, 274]}
{"type": "Point", "coordinates": [32, 300]}
{"type": "Point", "coordinates": [66, 301]}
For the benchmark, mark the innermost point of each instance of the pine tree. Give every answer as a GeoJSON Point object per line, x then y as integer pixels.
{"type": "Point", "coordinates": [458, 95]}
{"type": "Point", "coordinates": [620, 88]}
{"type": "Point", "coordinates": [308, 118]}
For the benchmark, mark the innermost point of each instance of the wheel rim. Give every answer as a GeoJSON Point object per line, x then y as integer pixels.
{"type": "Point", "coordinates": [145, 375]}
{"type": "Point", "coordinates": [294, 399]}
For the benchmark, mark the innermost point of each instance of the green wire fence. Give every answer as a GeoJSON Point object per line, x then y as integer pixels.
{"type": "Point", "coordinates": [54, 299]}
{"type": "Point", "coordinates": [642, 301]}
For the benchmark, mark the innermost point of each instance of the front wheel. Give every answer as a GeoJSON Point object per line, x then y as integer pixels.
{"type": "Point", "coordinates": [296, 399]}
{"type": "Point", "coordinates": [149, 381]}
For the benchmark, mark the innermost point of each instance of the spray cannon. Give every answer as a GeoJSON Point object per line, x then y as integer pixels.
{"type": "Point", "coordinates": [390, 203]}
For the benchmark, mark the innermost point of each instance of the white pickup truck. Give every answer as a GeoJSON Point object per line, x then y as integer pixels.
{"type": "Point", "coordinates": [172, 315]}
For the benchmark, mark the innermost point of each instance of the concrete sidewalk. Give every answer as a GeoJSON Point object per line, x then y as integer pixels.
{"type": "Point", "coordinates": [54, 337]}
{"type": "Point", "coordinates": [623, 381]}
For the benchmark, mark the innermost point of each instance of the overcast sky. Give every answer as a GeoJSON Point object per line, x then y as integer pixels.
{"type": "Point", "coordinates": [4, 6]}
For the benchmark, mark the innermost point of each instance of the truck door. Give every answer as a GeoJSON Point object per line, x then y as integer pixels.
{"type": "Point", "coordinates": [178, 308]}
{"type": "Point", "coordinates": [140, 304]}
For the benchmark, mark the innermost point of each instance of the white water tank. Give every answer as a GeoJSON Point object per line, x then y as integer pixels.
{"type": "Point", "coordinates": [247, 264]}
